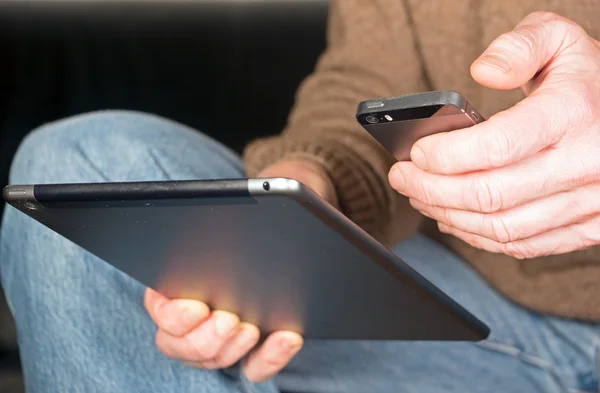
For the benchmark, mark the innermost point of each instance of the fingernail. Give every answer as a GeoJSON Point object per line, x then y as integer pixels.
{"type": "Point", "coordinates": [247, 338]}
{"type": "Point", "coordinates": [192, 314]}
{"type": "Point", "coordinates": [397, 179]}
{"type": "Point", "coordinates": [495, 60]}
{"type": "Point", "coordinates": [425, 214]}
{"type": "Point", "coordinates": [225, 324]}
{"type": "Point", "coordinates": [249, 333]}
{"type": "Point", "coordinates": [290, 345]}
{"type": "Point", "coordinates": [419, 206]}
{"type": "Point", "coordinates": [443, 227]}
{"type": "Point", "coordinates": [416, 204]}
{"type": "Point", "coordinates": [418, 158]}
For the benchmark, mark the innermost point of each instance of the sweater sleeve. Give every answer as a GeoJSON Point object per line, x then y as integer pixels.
{"type": "Point", "coordinates": [370, 53]}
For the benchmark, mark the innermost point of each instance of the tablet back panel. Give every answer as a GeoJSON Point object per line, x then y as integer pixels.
{"type": "Point", "coordinates": [277, 255]}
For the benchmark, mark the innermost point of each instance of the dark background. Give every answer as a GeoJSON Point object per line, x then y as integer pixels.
{"type": "Point", "coordinates": [229, 68]}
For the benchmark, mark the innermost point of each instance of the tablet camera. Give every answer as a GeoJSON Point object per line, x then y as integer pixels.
{"type": "Point", "coordinates": [266, 186]}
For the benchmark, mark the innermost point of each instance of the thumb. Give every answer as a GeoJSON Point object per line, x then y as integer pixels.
{"type": "Point", "coordinates": [514, 58]}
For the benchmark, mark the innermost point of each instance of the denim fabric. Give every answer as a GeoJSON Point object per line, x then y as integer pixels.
{"type": "Point", "coordinates": [83, 328]}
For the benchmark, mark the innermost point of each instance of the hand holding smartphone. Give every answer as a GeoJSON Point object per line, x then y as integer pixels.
{"type": "Point", "coordinates": [398, 122]}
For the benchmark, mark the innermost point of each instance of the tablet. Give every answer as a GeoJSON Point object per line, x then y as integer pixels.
{"type": "Point", "coordinates": [269, 250]}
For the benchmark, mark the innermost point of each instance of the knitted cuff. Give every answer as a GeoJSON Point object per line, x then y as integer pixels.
{"type": "Point", "coordinates": [361, 197]}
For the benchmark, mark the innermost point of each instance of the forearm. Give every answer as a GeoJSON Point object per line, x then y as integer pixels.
{"type": "Point", "coordinates": [370, 54]}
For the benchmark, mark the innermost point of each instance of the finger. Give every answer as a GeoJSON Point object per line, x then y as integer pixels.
{"type": "Point", "coordinates": [204, 342]}
{"type": "Point", "coordinates": [507, 137]}
{"type": "Point", "coordinates": [275, 353]}
{"type": "Point", "coordinates": [510, 62]}
{"type": "Point", "coordinates": [557, 241]}
{"type": "Point", "coordinates": [176, 317]}
{"type": "Point", "coordinates": [476, 241]}
{"type": "Point", "coordinates": [499, 189]}
{"type": "Point", "coordinates": [523, 221]}
{"type": "Point", "coordinates": [237, 347]}
{"type": "Point", "coordinates": [234, 349]}
{"type": "Point", "coordinates": [514, 58]}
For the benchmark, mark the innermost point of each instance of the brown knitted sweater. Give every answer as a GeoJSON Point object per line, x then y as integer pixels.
{"type": "Point", "coordinates": [379, 48]}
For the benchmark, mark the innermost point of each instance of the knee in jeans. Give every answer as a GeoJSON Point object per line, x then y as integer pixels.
{"type": "Point", "coordinates": [86, 147]}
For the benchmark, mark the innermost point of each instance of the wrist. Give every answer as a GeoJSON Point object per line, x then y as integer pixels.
{"type": "Point", "coordinates": [309, 172]}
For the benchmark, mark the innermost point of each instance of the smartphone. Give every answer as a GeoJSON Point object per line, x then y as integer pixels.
{"type": "Point", "coordinates": [398, 122]}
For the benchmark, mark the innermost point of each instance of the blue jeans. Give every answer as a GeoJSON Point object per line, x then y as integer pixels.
{"type": "Point", "coordinates": [83, 328]}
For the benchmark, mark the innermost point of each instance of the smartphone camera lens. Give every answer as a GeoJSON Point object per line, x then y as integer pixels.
{"type": "Point", "coordinates": [372, 119]}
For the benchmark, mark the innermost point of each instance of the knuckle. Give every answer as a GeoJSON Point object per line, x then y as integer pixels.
{"type": "Point", "coordinates": [554, 23]}
{"type": "Point", "coordinates": [550, 20]}
{"type": "Point", "coordinates": [487, 199]}
{"type": "Point", "coordinates": [589, 233]}
{"type": "Point", "coordinates": [425, 190]}
{"type": "Point", "coordinates": [500, 149]}
{"type": "Point", "coordinates": [543, 16]}
{"type": "Point", "coordinates": [444, 158]}
{"type": "Point", "coordinates": [569, 27]}
{"type": "Point", "coordinates": [500, 230]}
{"type": "Point", "coordinates": [448, 217]}
{"type": "Point", "coordinates": [519, 42]}
{"type": "Point", "coordinates": [523, 40]}
{"type": "Point", "coordinates": [474, 241]}
{"type": "Point", "coordinates": [519, 250]}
